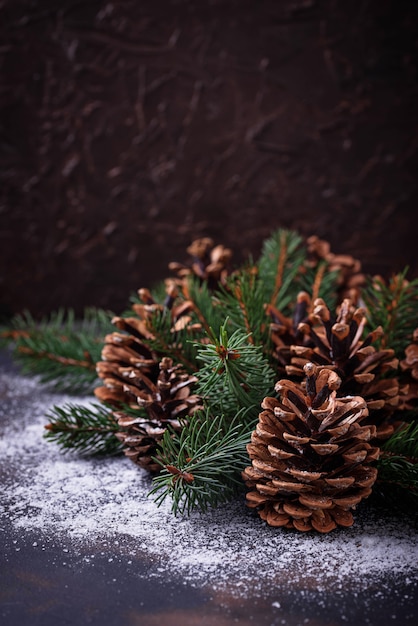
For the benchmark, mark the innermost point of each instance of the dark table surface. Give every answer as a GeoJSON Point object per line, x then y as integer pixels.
{"type": "Point", "coordinates": [60, 565]}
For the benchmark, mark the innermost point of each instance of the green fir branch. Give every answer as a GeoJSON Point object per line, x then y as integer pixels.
{"type": "Point", "coordinates": [319, 282]}
{"type": "Point", "coordinates": [207, 305]}
{"type": "Point", "coordinates": [281, 261]}
{"type": "Point", "coordinates": [202, 464]}
{"type": "Point", "coordinates": [404, 442]}
{"type": "Point", "coordinates": [177, 345]}
{"type": "Point", "coordinates": [243, 302]}
{"type": "Point", "coordinates": [234, 374]}
{"type": "Point", "coordinates": [87, 430]}
{"type": "Point", "coordinates": [398, 467]}
{"type": "Point", "coordinates": [394, 307]}
{"type": "Point", "coordinates": [61, 349]}
{"type": "Point", "coordinates": [398, 482]}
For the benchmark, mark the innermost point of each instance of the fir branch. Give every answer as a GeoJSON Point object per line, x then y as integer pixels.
{"type": "Point", "coordinates": [394, 306]}
{"type": "Point", "coordinates": [319, 282]}
{"type": "Point", "coordinates": [89, 430]}
{"type": "Point", "coordinates": [243, 302]}
{"type": "Point", "coordinates": [280, 263]}
{"type": "Point", "coordinates": [398, 481]}
{"type": "Point", "coordinates": [206, 309]}
{"type": "Point", "coordinates": [61, 349]}
{"type": "Point", "coordinates": [404, 442]}
{"type": "Point", "coordinates": [398, 466]}
{"type": "Point", "coordinates": [234, 373]}
{"type": "Point", "coordinates": [166, 342]}
{"type": "Point", "coordinates": [202, 464]}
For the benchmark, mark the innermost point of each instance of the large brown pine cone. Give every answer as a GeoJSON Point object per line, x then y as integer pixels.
{"type": "Point", "coordinates": [311, 455]}
{"type": "Point", "coordinates": [335, 341]}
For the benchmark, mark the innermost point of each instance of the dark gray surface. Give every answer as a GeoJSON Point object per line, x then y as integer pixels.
{"type": "Point", "coordinates": [40, 588]}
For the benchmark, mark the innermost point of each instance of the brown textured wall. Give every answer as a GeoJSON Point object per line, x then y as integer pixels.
{"type": "Point", "coordinates": [130, 127]}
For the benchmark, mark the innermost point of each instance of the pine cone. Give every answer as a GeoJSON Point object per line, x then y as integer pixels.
{"type": "Point", "coordinates": [335, 341]}
{"type": "Point", "coordinates": [131, 347]}
{"type": "Point", "coordinates": [141, 378]}
{"type": "Point", "coordinates": [209, 262]}
{"type": "Point", "coordinates": [350, 277]}
{"type": "Point", "coordinates": [311, 455]}
{"type": "Point", "coordinates": [164, 402]}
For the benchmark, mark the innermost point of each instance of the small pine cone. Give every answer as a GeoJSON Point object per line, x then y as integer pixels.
{"type": "Point", "coordinates": [311, 455]}
{"type": "Point", "coordinates": [130, 348]}
{"type": "Point", "coordinates": [135, 376]}
{"type": "Point", "coordinates": [166, 402]}
{"type": "Point", "coordinates": [209, 262]}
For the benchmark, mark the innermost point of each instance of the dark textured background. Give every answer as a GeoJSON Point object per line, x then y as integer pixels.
{"type": "Point", "coordinates": [130, 127]}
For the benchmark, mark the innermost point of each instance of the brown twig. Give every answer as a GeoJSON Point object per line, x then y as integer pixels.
{"type": "Point", "coordinates": [88, 364]}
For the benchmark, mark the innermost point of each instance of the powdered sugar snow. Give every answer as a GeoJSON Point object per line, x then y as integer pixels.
{"type": "Point", "coordinates": [83, 499]}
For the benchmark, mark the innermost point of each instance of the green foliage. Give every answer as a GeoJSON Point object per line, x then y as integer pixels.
{"type": "Point", "coordinates": [404, 442]}
{"type": "Point", "coordinates": [207, 306]}
{"type": "Point", "coordinates": [394, 306]}
{"type": "Point", "coordinates": [89, 430]}
{"type": "Point", "coordinates": [202, 465]}
{"type": "Point", "coordinates": [234, 374]}
{"type": "Point", "coordinates": [166, 342]}
{"type": "Point", "coordinates": [398, 467]}
{"type": "Point", "coordinates": [243, 302]}
{"type": "Point", "coordinates": [319, 282]}
{"type": "Point", "coordinates": [398, 473]}
{"type": "Point", "coordinates": [280, 262]}
{"type": "Point", "coordinates": [61, 349]}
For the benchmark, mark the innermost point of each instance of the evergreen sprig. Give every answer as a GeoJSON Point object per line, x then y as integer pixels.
{"type": "Point", "coordinates": [398, 467]}
{"type": "Point", "coordinates": [201, 466]}
{"type": "Point", "coordinates": [234, 373]}
{"type": "Point", "coordinates": [88, 430]}
{"type": "Point", "coordinates": [243, 302]}
{"type": "Point", "coordinates": [62, 349]}
{"type": "Point", "coordinates": [281, 261]}
{"type": "Point", "coordinates": [404, 442]}
{"type": "Point", "coordinates": [166, 342]}
{"type": "Point", "coordinates": [394, 306]}
{"type": "Point", "coordinates": [397, 482]}
{"type": "Point", "coordinates": [208, 306]}
{"type": "Point", "coordinates": [320, 282]}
